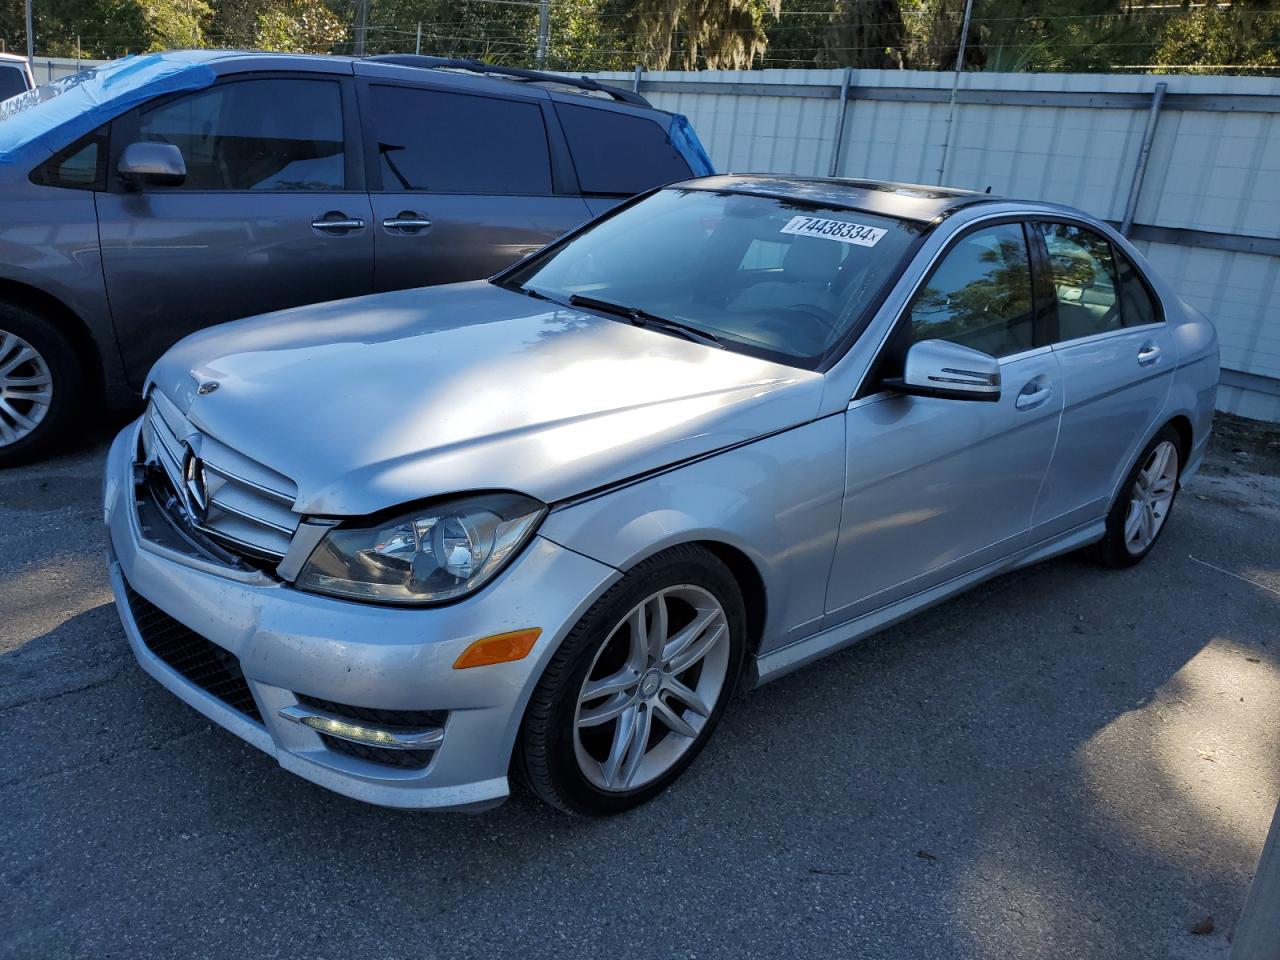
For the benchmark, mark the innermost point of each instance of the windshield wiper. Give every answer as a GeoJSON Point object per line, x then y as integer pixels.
{"type": "Point", "coordinates": [643, 318]}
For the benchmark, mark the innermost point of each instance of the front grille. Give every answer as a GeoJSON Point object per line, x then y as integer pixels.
{"type": "Point", "coordinates": [207, 665]}
{"type": "Point", "coordinates": [391, 719]}
{"type": "Point", "coordinates": [249, 507]}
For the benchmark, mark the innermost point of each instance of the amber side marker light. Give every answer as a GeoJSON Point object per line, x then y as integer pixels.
{"type": "Point", "coordinates": [500, 648]}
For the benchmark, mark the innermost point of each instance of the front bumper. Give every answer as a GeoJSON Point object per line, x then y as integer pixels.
{"type": "Point", "coordinates": [290, 643]}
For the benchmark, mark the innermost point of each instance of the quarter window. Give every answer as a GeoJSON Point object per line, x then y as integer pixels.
{"type": "Point", "coordinates": [438, 142]}
{"type": "Point", "coordinates": [269, 134]}
{"type": "Point", "coordinates": [980, 295]}
{"type": "Point", "coordinates": [1136, 305]}
{"type": "Point", "coordinates": [1084, 280]}
{"type": "Point", "coordinates": [618, 153]}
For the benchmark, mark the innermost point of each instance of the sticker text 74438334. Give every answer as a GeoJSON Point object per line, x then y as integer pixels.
{"type": "Point", "coordinates": [841, 230]}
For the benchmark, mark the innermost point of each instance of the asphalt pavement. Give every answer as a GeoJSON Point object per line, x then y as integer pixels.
{"type": "Point", "coordinates": [1065, 762]}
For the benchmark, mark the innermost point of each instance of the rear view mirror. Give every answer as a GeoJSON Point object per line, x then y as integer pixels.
{"type": "Point", "coordinates": [939, 368]}
{"type": "Point", "coordinates": [158, 164]}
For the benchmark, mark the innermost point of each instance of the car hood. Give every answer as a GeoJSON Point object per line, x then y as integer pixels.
{"type": "Point", "coordinates": [377, 401]}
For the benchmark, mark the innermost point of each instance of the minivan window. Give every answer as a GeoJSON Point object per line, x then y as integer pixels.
{"type": "Point", "coordinates": [265, 134]}
{"type": "Point", "coordinates": [1084, 280]}
{"type": "Point", "coordinates": [80, 166]}
{"type": "Point", "coordinates": [696, 257]}
{"type": "Point", "coordinates": [618, 153]}
{"type": "Point", "coordinates": [439, 142]}
{"type": "Point", "coordinates": [979, 296]}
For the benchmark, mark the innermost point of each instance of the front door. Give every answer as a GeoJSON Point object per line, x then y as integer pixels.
{"type": "Point", "coordinates": [935, 488]}
{"type": "Point", "coordinates": [265, 218]}
{"type": "Point", "coordinates": [461, 184]}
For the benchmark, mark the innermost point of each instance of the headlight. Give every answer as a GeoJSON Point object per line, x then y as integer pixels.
{"type": "Point", "coordinates": [437, 552]}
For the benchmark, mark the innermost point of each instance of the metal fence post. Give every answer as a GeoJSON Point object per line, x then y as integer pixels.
{"type": "Point", "coordinates": [839, 138]}
{"type": "Point", "coordinates": [635, 83]}
{"type": "Point", "coordinates": [1144, 154]}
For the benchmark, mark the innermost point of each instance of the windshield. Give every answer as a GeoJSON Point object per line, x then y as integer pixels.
{"type": "Point", "coordinates": [783, 279]}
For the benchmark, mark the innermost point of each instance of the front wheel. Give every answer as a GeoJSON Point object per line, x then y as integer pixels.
{"type": "Point", "coordinates": [1141, 510]}
{"type": "Point", "coordinates": [637, 687]}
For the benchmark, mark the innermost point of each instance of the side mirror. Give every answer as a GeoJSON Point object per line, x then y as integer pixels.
{"type": "Point", "coordinates": [159, 164]}
{"type": "Point", "coordinates": [939, 368]}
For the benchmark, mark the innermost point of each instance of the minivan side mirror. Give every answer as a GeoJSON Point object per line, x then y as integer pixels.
{"type": "Point", "coordinates": [159, 164]}
{"type": "Point", "coordinates": [939, 368]}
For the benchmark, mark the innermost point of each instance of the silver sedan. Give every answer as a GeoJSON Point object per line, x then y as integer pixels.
{"type": "Point", "coordinates": [544, 525]}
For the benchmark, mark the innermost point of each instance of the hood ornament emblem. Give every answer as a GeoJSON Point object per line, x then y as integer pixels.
{"type": "Point", "coordinates": [207, 387]}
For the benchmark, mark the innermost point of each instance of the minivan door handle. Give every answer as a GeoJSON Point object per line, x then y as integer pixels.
{"type": "Point", "coordinates": [336, 222]}
{"type": "Point", "coordinates": [406, 221]}
{"type": "Point", "coordinates": [1148, 355]}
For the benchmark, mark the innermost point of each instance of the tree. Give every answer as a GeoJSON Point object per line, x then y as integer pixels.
{"type": "Point", "coordinates": [298, 26]}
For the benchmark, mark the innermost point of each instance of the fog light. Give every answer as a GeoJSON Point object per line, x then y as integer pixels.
{"type": "Point", "coordinates": [500, 648]}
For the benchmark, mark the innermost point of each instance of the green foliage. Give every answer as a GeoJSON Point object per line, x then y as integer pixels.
{"type": "Point", "coordinates": [299, 26]}
{"type": "Point", "coordinates": [1006, 35]}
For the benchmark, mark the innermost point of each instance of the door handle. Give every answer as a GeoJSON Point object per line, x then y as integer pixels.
{"type": "Point", "coordinates": [406, 221]}
{"type": "Point", "coordinates": [1148, 355]}
{"type": "Point", "coordinates": [337, 223]}
{"type": "Point", "coordinates": [1032, 395]}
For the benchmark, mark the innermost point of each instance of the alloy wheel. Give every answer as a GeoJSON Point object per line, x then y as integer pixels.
{"type": "Point", "coordinates": [651, 688]}
{"type": "Point", "coordinates": [26, 388]}
{"type": "Point", "coordinates": [1151, 497]}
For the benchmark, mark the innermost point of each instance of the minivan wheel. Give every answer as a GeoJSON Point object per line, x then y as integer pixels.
{"type": "Point", "coordinates": [637, 687]}
{"type": "Point", "coordinates": [40, 385]}
{"type": "Point", "coordinates": [1142, 509]}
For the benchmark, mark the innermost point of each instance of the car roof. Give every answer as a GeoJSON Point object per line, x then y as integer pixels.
{"type": "Point", "coordinates": [12, 58]}
{"type": "Point", "coordinates": [451, 71]}
{"type": "Point", "coordinates": [906, 201]}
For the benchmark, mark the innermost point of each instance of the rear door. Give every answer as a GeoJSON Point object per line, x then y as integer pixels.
{"type": "Point", "coordinates": [1117, 357]}
{"type": "Point", "coordinates": [462, 183]}
{"type": "Point", "coordinates": [272, 214]}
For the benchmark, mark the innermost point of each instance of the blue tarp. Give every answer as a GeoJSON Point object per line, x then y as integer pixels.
{"type": "Point", "coordinates": [51, 116]}
{"type": "Point", "coordinates": [689, 146]}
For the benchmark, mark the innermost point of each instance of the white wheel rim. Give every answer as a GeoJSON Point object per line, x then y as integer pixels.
{"type": "Point", "coordinates": [652, 688]}
{"type": "Point", "coordinates": [26, 388]}
{"type": "Point", "coordinates": [1151, 497]}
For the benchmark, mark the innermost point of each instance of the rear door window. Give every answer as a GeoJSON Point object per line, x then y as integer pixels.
{"type": "Point", "coordinates": [438, 142]}
{"type": "Point", "coordinates": [1084, 279]}
{"type": "Point", "coordinates": [264, 134]}
{"type": "Point", "coordinates": [619, 153]}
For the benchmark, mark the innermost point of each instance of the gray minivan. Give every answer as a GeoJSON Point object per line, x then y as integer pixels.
{"type": "Point", "coordinates": [153, 196]}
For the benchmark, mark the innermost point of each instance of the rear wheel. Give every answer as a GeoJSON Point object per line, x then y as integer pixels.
{"type": "Point", "coordinates": [1140, 512]}
{"type": "Point", "coordinates": [637, 687]}
{"type": "Point", "coordinates": [40, 385]}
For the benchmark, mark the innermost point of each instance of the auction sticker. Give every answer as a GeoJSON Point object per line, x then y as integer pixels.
{"type": "Point", "coordinates": [841, 230]}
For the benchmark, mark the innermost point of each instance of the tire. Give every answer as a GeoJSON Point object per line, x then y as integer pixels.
{"type": "Point", "coordinates": [23, 332]}
{"type": "Point", "coordinates": [566, 761]}
{"type": "Point", "coordinates": [1120, 547]}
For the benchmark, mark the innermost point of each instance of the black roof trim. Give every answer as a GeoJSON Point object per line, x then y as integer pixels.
{"type": "Point", "coordinates": [511, 73]}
